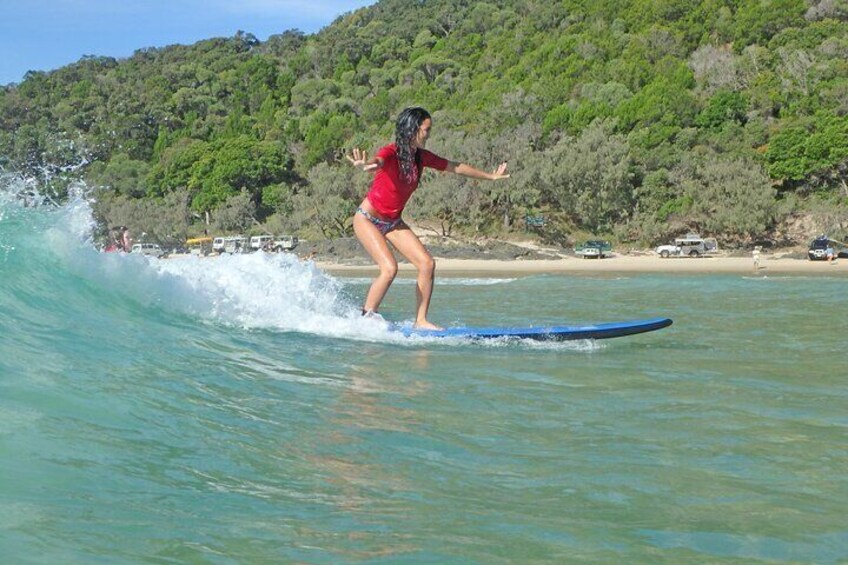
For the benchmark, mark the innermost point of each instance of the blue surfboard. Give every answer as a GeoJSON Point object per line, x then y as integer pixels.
{"type": "Point", "coordinates": [545, 333]}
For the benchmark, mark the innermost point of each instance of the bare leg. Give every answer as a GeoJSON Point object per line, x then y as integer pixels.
{"type": "Point", "coordinates": [377, 247]}
{"type": "Point", "coordinates": [405, 241]}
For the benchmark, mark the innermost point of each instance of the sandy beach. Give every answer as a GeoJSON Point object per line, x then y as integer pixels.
{"type": "Point", "coordinates": [621, 264]}
{"type": "Point", "coordinates": [345, 255]}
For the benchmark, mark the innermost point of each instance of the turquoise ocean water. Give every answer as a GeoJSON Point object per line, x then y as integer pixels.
{"type": "Point", "coordinates": [237, 410]}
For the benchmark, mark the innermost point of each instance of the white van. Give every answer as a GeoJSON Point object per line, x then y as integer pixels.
{"type": "Point", "coordinates": [149, 249]}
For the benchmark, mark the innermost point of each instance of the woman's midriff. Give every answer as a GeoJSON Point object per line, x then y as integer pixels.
{"type": "Point", "coordinates": [368, 207]}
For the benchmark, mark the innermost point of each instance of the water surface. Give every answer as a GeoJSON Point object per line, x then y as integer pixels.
{"type": "Point", "coordinates": [238, 410]}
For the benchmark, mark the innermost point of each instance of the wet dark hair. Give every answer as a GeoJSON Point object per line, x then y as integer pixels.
{"type": "Point", "coordinates": [406, 128]}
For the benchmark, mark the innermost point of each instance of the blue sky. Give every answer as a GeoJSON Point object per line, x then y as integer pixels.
{"type": "Point", "coordinates": [42, 35]}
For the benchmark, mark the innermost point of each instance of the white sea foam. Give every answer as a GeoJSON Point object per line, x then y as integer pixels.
{"type": "Point", "coordinates": [274, 291]}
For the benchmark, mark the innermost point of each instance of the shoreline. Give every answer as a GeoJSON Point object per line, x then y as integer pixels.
{"type": "Point", "coordinates": [616, 264]}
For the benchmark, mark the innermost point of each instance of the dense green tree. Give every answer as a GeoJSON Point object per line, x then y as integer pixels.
{"type": "Point", "coordinates": [810, 149]}
{"type": "Point", "coordinates": [328, 202]}
{"type": "Point", "coordinates": [445, 203]}
{"type": "Point", "coordinates": [733, 197]}
{"type": "Point", "coordinates": [122, 175]}
{"type": "Point", "coordinates": [278, 198]}
{"type": "Point", "coordinates": [236, 213]}
{"type": "Point", "coordinates": [666, 101]}
{"type": "Point", "coordinates": [324, 134]}
{"type": "Point", "coordinates": [235, 165]}
{"type": "Point", "coordinates": [757, 22]}
{"type": "Point", "coordinates": [723, 107]}
{"type": "Point", "coordinates": [174, 168]}
{"type": "Point", "coordinates": [591, 178]}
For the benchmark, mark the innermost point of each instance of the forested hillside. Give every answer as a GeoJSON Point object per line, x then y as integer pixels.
{"type": "Point", "coordinates": [636, 119]}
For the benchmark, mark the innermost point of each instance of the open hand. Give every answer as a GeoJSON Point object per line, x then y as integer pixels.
{"type": "Point", "coordinates": [358, 158]}
{"type": "Point", "coordinates": [500, 172]}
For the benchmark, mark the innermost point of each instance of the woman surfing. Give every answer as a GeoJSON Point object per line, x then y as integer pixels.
{"type": "Point", "coordinates": [377, 222]}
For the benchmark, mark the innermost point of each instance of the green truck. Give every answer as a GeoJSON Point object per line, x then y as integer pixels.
{"type": "Point", "coordinates": [594, 249]}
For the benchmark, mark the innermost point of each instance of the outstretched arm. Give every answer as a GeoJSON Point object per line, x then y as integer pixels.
{"type": "Point", "coordinates": [471, 172]}
{"type": "Point", "coordinates": [359, 159]}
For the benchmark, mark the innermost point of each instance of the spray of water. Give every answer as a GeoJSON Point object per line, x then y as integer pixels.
{"type": "Point", "coordinates": [276, 292]}
{"type": "Point", "coordinates": [268, 291]}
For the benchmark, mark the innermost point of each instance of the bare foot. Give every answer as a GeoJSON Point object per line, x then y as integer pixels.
{"type": "Point", "coordinates": [372, 315]}
{"type": "Point", "coordinates": [426, 325]}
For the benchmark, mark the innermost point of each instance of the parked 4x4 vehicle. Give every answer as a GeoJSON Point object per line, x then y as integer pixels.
{"type": "Point", "coordinates": [258, 242]}
{"type": "Point", "coordinates": [693, 245]}
{"type": "Point", "coordinates": [594, 249]}
{"type": "Point", "coordinates": [821, 248]}
{"type": "Point", "coordinates": [285, 242]}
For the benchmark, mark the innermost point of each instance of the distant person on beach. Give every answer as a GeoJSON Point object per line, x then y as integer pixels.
{"type": "Point", "coordinates": [756, 254]}
{"type": "Point", "coordinates": [377, 222]}
{"type": "Point", "coordinates": [120, 240]}
{"type": "Point", "coordinates": [115, 244]}
{"type": "Point", "coordinates": [830, 253]}
{"type": "Point", "coordinates": [126, 240]}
